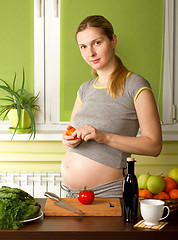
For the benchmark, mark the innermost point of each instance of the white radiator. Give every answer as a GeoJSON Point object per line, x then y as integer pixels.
{"type": "Point", "coordinates": [35, 183]}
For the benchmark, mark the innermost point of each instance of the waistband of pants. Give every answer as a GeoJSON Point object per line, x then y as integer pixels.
{"type": "Point", "coordinates": [112, 189]}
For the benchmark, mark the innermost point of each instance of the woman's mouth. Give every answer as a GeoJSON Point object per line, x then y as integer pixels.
{"type": "Point", "coordinates": [95, 61]}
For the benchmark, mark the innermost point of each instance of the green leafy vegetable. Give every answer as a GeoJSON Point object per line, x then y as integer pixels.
{"type": "Point", "coordinates": [16, 205]}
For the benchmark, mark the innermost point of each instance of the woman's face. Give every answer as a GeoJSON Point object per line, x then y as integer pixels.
{"type": "Point", "coordinates": [96, 48]}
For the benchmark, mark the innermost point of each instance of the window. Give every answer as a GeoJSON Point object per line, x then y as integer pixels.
{"type": "Point", "coordinates": [170, 73]}
{"type": "Point", "coordinates": [46, 70]}
{"type": "Point", "coordinates": [47, 63]}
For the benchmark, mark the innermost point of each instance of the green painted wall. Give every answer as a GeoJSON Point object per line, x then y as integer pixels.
{"type": "Point", "coordinates": [17, 42]}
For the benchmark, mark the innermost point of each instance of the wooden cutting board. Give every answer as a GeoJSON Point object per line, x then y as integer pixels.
{"type": "Point", "coordinates": [99, 207]}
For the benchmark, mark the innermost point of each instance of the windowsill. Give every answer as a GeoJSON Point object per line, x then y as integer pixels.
{"type": "Point", "coordinates": [170, 133]}
{"type": "Point", "coordinates": [40, 136]}
{"type": "Point", "coordinates": [44, 132]}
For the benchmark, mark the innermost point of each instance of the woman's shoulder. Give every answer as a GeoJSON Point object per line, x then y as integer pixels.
{"type": "Point", "coordinates": [85, 87]}
{"type": "Point", "coordinates": [135, 83]}
{"type": "Point", "coordinates": [136, 80]}
{"type": "Point", "coordinates": [88, 83]}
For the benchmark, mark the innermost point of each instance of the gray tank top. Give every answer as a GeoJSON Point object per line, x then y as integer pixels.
{"type": "Point", "coordinates": [117, 116]}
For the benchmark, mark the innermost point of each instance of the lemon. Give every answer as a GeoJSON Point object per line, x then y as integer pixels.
{"type": "Point", "coordinates": [173, 173]}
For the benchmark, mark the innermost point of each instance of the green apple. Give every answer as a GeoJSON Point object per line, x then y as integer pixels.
{"type": "Point", "coordinates": [173, 173]}
{"type": "Point", "coordinates": [142, 180]}
{"type": "Point", "coordinates": [156, 184]}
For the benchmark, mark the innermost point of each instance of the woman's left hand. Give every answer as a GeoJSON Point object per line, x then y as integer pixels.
{"type": "Point", "coordinates": [88, 132]}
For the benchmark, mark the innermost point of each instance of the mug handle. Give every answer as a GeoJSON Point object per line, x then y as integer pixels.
{"type": "Point", "coordinates": [167, 212]}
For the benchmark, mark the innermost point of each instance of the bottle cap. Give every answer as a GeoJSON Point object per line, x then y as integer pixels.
{"type": "Point", "coordinates": [130, 159]}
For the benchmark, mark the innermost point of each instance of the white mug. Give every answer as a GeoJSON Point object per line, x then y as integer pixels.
{"type": "Point", "coordinates": [152, 211]}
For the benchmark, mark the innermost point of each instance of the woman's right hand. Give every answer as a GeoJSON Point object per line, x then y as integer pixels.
{"type": "Point", "coordinates": [69, 141]}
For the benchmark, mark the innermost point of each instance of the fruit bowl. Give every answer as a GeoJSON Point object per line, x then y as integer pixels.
{"type": "Point", "coordinates": [171, 203]}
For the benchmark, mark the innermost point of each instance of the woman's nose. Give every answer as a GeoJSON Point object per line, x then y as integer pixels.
{"type": "Point", "coordinates": [92, 52]}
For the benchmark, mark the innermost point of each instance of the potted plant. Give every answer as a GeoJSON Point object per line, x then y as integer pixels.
{"type": "Point", "coordinates": [19, 108]}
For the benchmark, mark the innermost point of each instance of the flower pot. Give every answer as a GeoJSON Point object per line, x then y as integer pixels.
{"type": "Point", "coordinates": [25, 122]}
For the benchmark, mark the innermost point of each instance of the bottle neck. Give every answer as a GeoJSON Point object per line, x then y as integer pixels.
{"type": "Point", "coordinates": [130, 167]}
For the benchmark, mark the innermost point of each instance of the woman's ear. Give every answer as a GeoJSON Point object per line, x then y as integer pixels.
{"type": "Point", "coordinates": [114, 40]}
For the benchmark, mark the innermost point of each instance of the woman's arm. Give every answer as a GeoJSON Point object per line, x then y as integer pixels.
{"type": "Point", "coordinates": [150, 141]}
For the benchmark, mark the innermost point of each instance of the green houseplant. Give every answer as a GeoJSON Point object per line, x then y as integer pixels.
{"type": "Point", "coordinates": [19, 107]}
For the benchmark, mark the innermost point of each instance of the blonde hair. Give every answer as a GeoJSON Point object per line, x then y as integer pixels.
{"type": "Point", "coordinates": [115, 86]}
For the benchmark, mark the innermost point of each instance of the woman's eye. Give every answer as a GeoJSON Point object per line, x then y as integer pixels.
{"type": "Point", "coordinates": [97, 43]}
{"type": "Point", "coordinates": [83, 47]}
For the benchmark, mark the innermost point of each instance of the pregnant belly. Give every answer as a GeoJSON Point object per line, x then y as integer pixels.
{"type": "Point", "coordinates": [79, 171]}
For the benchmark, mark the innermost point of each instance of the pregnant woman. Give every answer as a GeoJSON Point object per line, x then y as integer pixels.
{"type": "Point", "coordinates": [108, 111]}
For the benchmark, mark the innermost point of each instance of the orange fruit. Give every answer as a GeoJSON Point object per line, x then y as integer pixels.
{"type": "Point", "coordinates": [170, 184]}
{"type": "Point", "coordinates": [162, 195]}
{"type": "Point", "coordinates": [70, 131]}
{"type": "Point", "coordinates": [155, 196]}
{"type": "Point", "coordinates": [173, 193]}
{"type": "Point", "coordinates": [145, 193]}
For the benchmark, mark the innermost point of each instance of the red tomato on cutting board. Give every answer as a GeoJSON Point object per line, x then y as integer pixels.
{"type": "Point", "coordinates": [86, 196]}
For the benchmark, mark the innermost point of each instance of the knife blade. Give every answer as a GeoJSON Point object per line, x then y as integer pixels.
{"type": "Point", "coordinates": [62, 203]}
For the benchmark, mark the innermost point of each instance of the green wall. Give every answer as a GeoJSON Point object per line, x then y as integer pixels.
{"type": "Point", "coordinates": [17, 42]}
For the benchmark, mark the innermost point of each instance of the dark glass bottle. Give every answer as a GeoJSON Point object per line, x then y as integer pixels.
{"type": "Point", "coordinates": [130, 193]}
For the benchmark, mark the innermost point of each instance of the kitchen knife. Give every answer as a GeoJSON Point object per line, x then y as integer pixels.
{"type": "Point", "coordinates": [62, 203]}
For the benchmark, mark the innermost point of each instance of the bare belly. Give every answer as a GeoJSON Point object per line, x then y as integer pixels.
{"type": "Point", "coordinates": [79, 171]}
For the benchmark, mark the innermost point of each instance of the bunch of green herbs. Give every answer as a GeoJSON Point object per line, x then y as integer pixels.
{"type": "Point", "coordinates": [16, 205]}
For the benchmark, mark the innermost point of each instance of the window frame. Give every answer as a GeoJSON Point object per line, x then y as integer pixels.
{"type": "Point", "coordinates": [46, 63]}
{"type": "Point", "coordinates": [169, 122]}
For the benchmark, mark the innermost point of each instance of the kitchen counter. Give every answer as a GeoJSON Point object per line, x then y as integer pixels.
{"type": "Point", "coordinates": [87, 228]}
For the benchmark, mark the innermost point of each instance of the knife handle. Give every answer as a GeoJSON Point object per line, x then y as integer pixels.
{"type": "Point", "coordinates": [52, 196]}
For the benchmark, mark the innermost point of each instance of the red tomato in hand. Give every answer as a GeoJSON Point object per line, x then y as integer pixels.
{"type": "Point", "coordinates": [86, 196]}
{"type": "Point", "coordinates": [70, 131]}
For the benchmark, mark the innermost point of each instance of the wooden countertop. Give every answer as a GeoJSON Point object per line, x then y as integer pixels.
{"type": "Point", "coordinates": [89, 228]}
